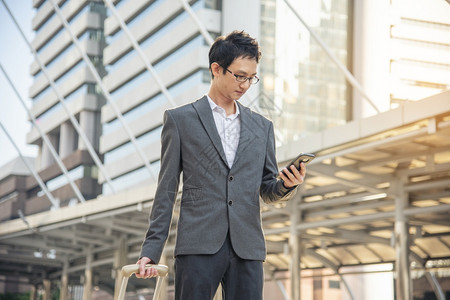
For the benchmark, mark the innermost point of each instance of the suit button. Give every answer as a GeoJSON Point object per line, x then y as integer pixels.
{"type": "Point", "coordinates": [230, 202]}
{"type": "Point", "coordinates": [231, 178]}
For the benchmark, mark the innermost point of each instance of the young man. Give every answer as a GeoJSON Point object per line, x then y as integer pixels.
{"type": "Point", "coordinates": [227, 155]}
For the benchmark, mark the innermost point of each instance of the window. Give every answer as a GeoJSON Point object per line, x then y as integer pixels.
{"type": "Point", "coordinates": [334, 284]}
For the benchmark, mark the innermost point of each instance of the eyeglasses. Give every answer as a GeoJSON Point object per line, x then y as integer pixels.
{"type": "Point", "coordinates": [240, 78]}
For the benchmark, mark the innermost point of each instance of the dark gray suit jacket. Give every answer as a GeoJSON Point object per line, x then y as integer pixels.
{"type": "Point", "coordinates": [215, 199]}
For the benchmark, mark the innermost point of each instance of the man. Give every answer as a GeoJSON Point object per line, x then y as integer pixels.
{"type": "Point", "coordinates": [227, 155]}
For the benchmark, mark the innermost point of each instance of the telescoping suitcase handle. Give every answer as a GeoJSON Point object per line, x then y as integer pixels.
{"type": "Point", "coordinates": [128, 270]}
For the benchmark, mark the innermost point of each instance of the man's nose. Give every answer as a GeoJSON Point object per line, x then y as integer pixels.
{"type": "Point", "coordinates": [245, 84]}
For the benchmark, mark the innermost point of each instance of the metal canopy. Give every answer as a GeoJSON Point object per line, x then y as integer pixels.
{"type": "Point", "coordinates": [347, 206]}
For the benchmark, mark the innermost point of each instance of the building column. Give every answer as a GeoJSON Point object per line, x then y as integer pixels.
{"type": "Point", "coordinates": [371, 26]}
{"type": "Point", "coordinates": [66, 139]}
{"type": "Point", "coordinates": [87, 287]}
{"type": "Point", "coordinates": [33, 291]}
{"type": "Point", "coordinates": [47, 289]}
{"type": "Point", "coordinates": [47, 158]}
{"type": "Point", "coordinates": [120, 259]}
{"type": "Point", "coordinates": [294, 248]}
{"type": "Point", "coordinates": [88, 125]}
{"type": "Point", "coordinates": [64, 288]}
{"type": "Point", "coordinates": [403, 286]}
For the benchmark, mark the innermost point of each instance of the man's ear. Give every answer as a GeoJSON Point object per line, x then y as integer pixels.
{"type": "Point", "coordinates": [215, 69]}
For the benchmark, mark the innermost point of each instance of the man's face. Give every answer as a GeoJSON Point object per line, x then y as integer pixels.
{"type": "Point", "coordinates": [229, 87]}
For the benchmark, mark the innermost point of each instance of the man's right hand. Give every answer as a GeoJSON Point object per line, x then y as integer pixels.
{"type": "Point", "coordinates": [145, 273]}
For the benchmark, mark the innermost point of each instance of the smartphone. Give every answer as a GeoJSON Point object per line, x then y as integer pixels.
{"type": "Point", "coordinates": [301, 158]}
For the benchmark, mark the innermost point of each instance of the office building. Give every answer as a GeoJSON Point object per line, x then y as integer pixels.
{"type": "Point", "coordinates": [76, 86]}
{"type": "Point", "coordinates": [177, 52]}
{"type": "Point", "coordinates": [398, 50]}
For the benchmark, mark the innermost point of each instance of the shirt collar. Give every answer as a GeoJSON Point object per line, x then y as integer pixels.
{"type": "Point", "coordinates": [216, 107]}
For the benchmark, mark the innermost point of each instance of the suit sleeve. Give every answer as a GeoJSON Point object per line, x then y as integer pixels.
{"type": "Point", "coordinates": [272, 188]}
{"type": "Point", "coordinates": [166, 192]}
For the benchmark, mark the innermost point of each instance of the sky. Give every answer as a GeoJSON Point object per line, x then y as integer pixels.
{"type": "Point", "coordinates": [16, 58]}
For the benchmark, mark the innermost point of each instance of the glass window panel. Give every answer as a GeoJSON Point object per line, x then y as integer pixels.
{"type": "Point", "coordinates": [135, 178]}
{"type": "Point", "coordinates": [128, 148]}
{"type": "Point", "coordinates": [61, 180]}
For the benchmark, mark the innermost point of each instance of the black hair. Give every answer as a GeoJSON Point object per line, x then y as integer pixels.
{"type": "Point", "coordinates": [237, 44]}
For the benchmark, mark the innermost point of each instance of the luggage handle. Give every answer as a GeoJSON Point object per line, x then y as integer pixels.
{"type": "Point", "coordinates": [128, 270]}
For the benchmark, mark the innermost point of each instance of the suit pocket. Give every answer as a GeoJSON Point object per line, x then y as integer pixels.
{"type": "Point", "coordinates": [191, 196]}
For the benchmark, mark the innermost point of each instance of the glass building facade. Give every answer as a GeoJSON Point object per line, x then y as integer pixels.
{"type": "Point", "coordinates": [397, 50]}
{"type": "Point", "coordinates": [303, 91]}
{"type": "Point", "coordinates": [420, 49]}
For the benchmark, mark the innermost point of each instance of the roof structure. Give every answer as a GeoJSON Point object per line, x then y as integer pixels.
{"type": "Point", "coordinates": [16, 167]}
{"type": "Point", "coordinates": [375, 183]}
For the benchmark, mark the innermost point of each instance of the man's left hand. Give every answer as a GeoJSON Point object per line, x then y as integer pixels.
{"type": "Point", "coordinates": [293, 177]}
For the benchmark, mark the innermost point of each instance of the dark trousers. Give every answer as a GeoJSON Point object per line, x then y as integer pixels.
{"type": "Point", "coordinates": [197, 277]}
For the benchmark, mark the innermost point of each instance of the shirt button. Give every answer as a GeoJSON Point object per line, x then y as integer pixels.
{"type": "Point", "coordinates": [230, 202]}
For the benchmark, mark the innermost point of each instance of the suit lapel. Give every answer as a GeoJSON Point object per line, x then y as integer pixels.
{"type": "Point", "coordinates": [205, 115]}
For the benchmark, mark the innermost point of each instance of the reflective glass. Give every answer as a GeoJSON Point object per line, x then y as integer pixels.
{"type": "Point", "coordinates": [303, 91]}
{"type": "Point", "coordinates": [135, 178]}
{"type": "Point", "coordinates": [128, 148]}
{"type": "Point", "coordinates": [61, 180]}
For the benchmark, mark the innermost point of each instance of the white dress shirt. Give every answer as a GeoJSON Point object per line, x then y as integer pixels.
{"type": "Point", "coordinates": [229, 128]}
